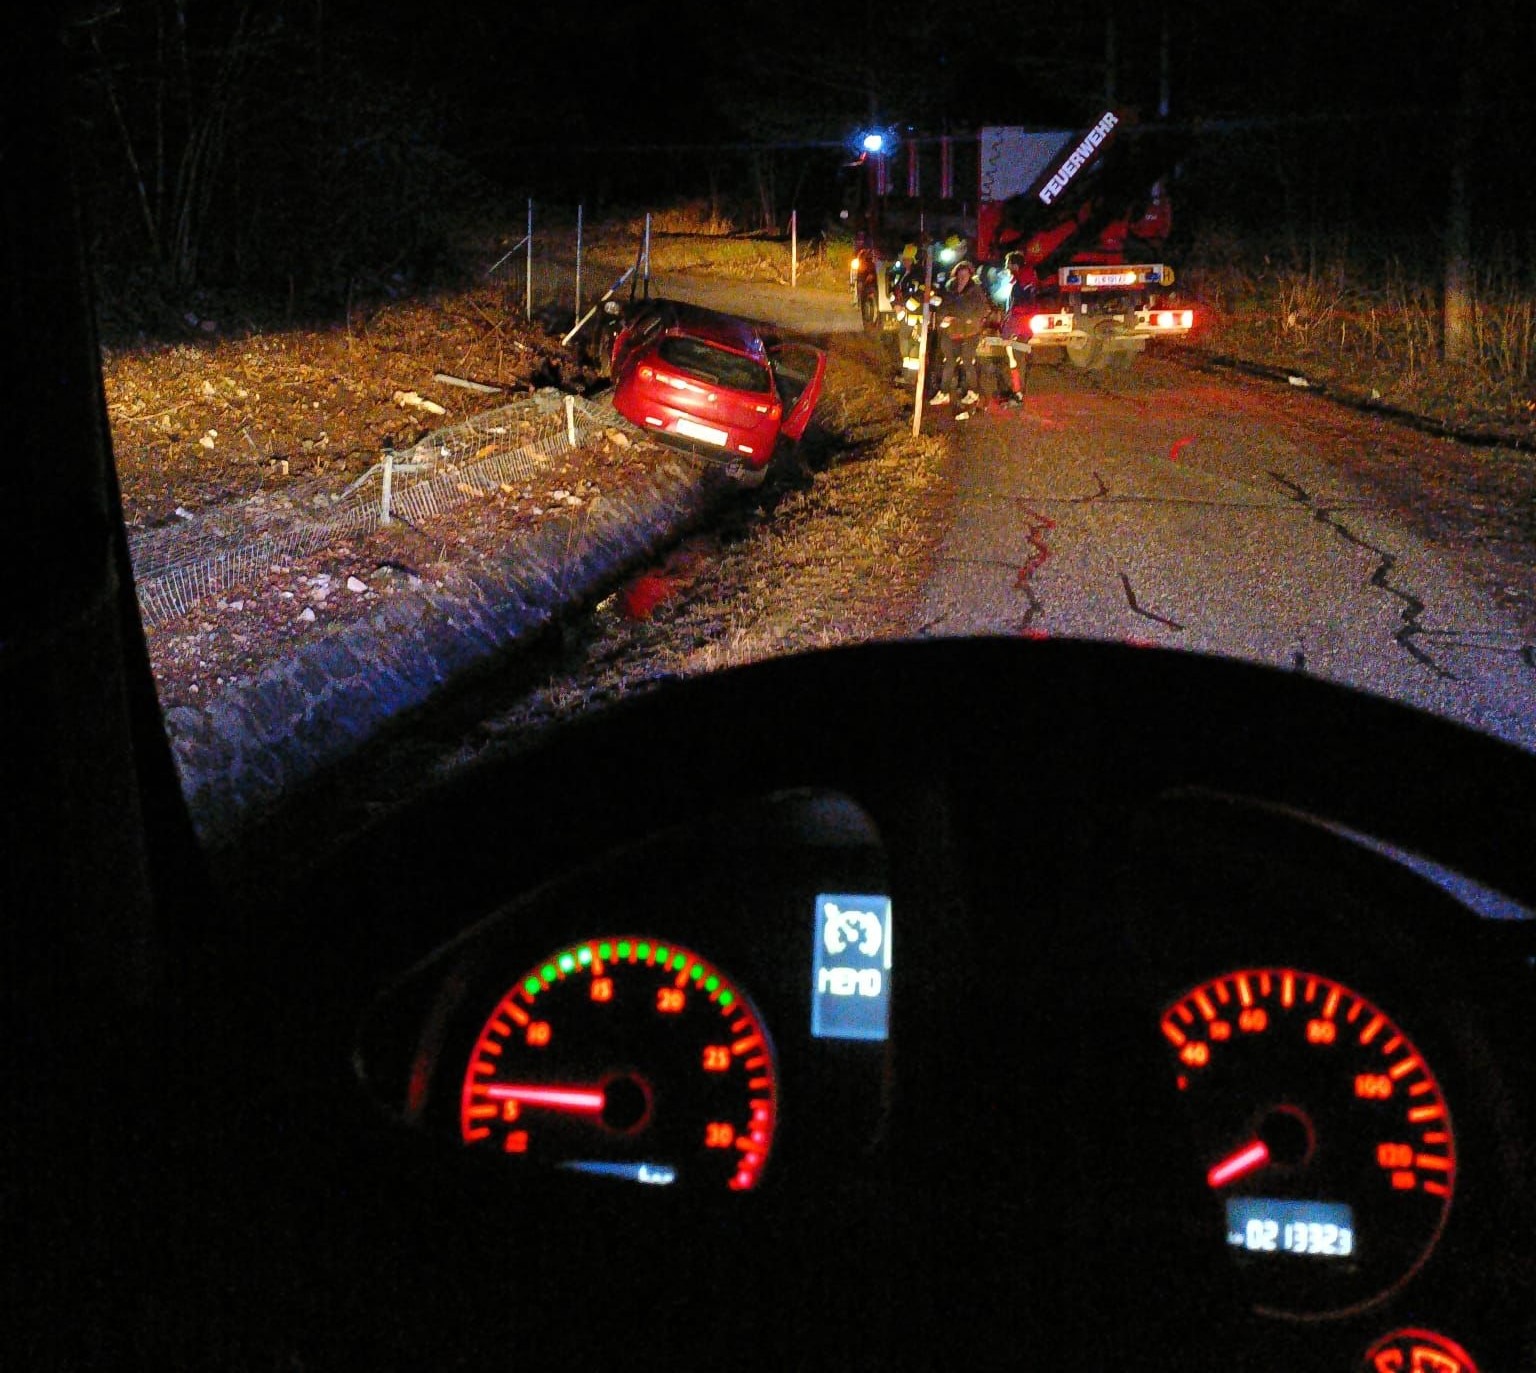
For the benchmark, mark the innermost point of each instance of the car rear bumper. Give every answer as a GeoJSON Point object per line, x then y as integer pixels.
{"type": "Point", "coordinates": [749, 448]}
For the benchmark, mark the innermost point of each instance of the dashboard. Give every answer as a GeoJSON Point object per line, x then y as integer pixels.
{"type": "Point", "coordinates": [974, 1051]}
{"type": "Point", "coordinates": [1180, 1054]}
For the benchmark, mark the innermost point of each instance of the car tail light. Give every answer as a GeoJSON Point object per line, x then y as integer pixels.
{"type": "Point", "coordinates": [649, 373]}
{"type": "Point", "coordinates": [1041, 324]}
{"type": "Point", "coordinates": [1175, 319]}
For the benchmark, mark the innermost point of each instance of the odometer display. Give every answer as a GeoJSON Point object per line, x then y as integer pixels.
{"type": "Point", "coordinates": [1323, 1136]}
{"type": "Point", "coordinates": [625, 1057]}
{"type": "Point", "coordinates": [1311, 1229]}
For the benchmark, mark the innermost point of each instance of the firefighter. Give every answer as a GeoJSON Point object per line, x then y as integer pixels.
{"type": "Point", "coordinates": [961, 319]}
{"type": "Point", "coordinates": [951, 251]}
{"type": "Point", "coordinates": [1026, 281]}
{"type": "Point", "coordinates": [907, 302]}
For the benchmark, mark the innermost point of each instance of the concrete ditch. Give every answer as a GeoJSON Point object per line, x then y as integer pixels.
{"type": "Point", "coordinates": [298, 716]}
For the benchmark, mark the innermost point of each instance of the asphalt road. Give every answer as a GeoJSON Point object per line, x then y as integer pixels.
{"type": "Point", "coordinates": [1169, 508]}
{"type": "Point", "coordinates": [802, 310]}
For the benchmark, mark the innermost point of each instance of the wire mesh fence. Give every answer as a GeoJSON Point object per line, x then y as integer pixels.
{"type": "Point", "coordinates": [178, 566]}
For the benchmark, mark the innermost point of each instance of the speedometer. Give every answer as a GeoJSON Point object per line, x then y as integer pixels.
{"type": "Point", "coordinates": [629, 1058]}
{"type": "Point", "coordinates": [1323, 1136]}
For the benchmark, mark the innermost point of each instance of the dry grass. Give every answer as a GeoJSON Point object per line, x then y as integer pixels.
{"type": "Point", "coordinates": [691, 239]}
{"type": "Point", "coordinates": [691, 217]}
{"type": "Point", "coordinates": [840, 561]}
{"type": "Point", "coordinates": [1378, 333]}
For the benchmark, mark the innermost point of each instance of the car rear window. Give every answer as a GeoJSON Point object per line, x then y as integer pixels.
{"type": "Point", "coordinates": [717, 365]}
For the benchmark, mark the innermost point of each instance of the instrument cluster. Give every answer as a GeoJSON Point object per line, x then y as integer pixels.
{"type": "Point", "coordinates": [732, 1008]}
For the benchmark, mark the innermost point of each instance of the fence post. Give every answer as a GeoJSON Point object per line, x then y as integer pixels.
{"type": "Point", "coordinates": [794, 248]}
{"type": "Point", "coordinates": [922, 345]}
{"type": "Point", "coordinates": [576, 314]}
{"type": "Point", "coordinates": [389, 473]}
{"type": "Point", "coordinates": [570, 420]}
{"type": "Point", "coordinates": [528, 289]}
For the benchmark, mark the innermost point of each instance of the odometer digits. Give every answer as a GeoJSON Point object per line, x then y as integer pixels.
{"type": "Point", "coordinates": [1322, 1134]}
{"type": "Point", "coordinates": [629, 1058]}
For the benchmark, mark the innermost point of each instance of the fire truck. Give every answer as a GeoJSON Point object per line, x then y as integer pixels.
{"type": "Point", "coordinates": [1070, 228]}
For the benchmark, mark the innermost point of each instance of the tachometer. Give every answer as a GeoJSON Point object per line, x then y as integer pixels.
{"type": "Point", "coordinates": [625, 1057]}
{"type": "Point", "coordinates": [1322, 1132]}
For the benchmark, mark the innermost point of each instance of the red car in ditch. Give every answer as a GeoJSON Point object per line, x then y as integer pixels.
{"type": "Point", "coordinates": [713, 382]}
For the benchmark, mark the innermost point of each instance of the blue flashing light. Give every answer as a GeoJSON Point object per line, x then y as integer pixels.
{"type": "Point", "coordinates": [873, 142]}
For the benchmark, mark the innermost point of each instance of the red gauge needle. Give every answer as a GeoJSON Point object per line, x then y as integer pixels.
{"type": "Point", "coordinates": [1234, 1166]}
{"type": "Point", "coordinates": [577, 1100]}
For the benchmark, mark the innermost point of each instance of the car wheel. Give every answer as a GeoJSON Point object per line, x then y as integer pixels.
{"type": "Point", "coordinates": [867, 310]}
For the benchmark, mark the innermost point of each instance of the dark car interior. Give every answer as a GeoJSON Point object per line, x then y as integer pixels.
{"type": "Point", "coordinates": [1054, 1004]}
{"type": "Point", "coordinates": [714, 364]}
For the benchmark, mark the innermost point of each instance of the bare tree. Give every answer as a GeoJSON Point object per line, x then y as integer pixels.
{"type": "Point", "coordinates": [172, 104]}
{"type": "Point", "coordinates": [1457, 322]}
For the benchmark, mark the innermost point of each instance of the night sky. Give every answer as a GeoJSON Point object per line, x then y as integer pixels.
{"type": "Point", "coordinates": [639, 71]}
{"type": "Point", "coordinates": [1297, 114]}
{"type": "Point", "coordinates": [1375, 76]}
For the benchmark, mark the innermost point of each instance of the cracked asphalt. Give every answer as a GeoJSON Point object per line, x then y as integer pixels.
{"type": "Point", "coordinates": [1165, 507]}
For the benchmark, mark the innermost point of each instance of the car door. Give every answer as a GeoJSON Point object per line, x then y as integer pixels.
{"type": "Point", "coordinates": [633, 334]}
{"type": "Point", "coordinates": [798, 370]}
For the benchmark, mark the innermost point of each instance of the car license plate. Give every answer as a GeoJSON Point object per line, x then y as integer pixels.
{"type": "Point", "coordinates": [694, 430]}
{"type": "Point", "coordinates": [1109, 278]}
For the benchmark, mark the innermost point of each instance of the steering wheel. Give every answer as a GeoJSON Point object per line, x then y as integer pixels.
{"type": "Point", "coordinates": [1029, 1187]}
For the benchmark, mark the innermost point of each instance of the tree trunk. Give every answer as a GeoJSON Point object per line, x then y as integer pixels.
{"type": "Point", "coordinates": [1458, 344]}
{"type": "Point", "coordinates": [1456, 322]}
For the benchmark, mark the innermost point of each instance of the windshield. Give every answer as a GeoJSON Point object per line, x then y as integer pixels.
{"type": "Point", "coordinates": [358, 381]}
{"type": "Point", "coordinates": [1015, 831]}
{"type": "Point", "coordinates": [711, 363]}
